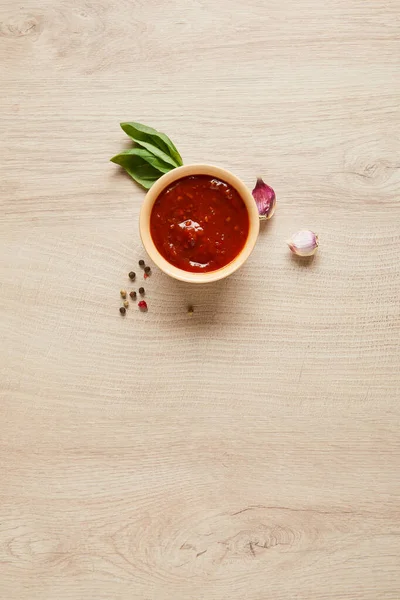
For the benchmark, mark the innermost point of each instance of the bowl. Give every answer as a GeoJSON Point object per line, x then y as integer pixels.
{"type": "Point", "coordinates": [187, 171]}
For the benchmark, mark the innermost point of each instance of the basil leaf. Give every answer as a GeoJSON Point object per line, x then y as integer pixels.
{"type": "Point", "coordinates": [154, 161]}
{"type": "Point", "coordinates": [138, 167]}
{"type": "Point", "coordinates": [154, 141]}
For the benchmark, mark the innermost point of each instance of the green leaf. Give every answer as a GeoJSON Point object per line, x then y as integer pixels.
{"type": "Point", "coordinates": [154, 161]}
{"type": "Point", "coordinates": [154, 141]}
{"type": "Point", "coordinates": [138, 167]}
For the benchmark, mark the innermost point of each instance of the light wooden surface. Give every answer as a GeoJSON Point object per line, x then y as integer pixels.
{"type": "Point", "coordinates": [250, 452]}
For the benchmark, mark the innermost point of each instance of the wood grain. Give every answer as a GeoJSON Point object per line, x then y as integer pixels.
{"type": "Point", "coordinates": [251, 451]}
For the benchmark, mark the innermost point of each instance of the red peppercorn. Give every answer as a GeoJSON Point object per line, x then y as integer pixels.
{"type": "Point", "coordinates": [142, 305]}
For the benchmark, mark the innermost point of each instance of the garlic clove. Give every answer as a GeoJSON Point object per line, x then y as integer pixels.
{"type": "Point", "coordinates": [303, 243]}
{"type": "Point", "coordinates": [265, 199]}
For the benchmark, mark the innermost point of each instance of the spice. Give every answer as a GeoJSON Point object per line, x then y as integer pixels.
{"type": "Point", "coordinates": [132, 295]}
{"type": "Point", "coordinates": [141, 291]}
{"type": "Point", "coordinates": [122, 310]}
{"type": "Point", "coordinates": [265, 199]}
{"type": "Point", "coordinates": [123, 293]}
{"type": "Point", "coordinates": [303, 243]}
{"type": "Point", "coordinates": [141, 263]}
{"type": "Point", "coordinates": [190, 310]}
{"type": "Point", "coordinates": [142, 305]}
{"type": "Point", "coordinates": [145, 276]}
{"type": "Point", "coordinates": [126, 303]}
{"type": "Point", "coordinates": [147, 270]}
{"type": "Point", "coordinates": [132, 275]}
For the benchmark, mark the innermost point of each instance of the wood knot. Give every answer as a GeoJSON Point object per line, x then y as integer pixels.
{"type": "Point", "coordinates": [261, 538]}
{"type": "Point", "coordinates": [20, 26]}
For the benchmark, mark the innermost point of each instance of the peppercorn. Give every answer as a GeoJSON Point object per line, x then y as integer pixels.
{"type": "Point", "coordinates": [142, 305]}
{"type": "Point", "coordinates": [141, 263]}
{"type": "Point", "coordinates": [147, 270]}
{"type": "Point", "coordinates": [123, 293]}
{"type": "Point", "coordinates": [132, 295]}
{"type": "Point", "coordinates": [126, 303]}
{"type": "Point", "coordinates": [132, 275]}
{"type": "Point", "coordinates": [141, 291]}
{"type": "Point", "coordinates": [122, 310]}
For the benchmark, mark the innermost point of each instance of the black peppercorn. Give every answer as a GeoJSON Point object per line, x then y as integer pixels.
{"type": "Point", "coordinates": [132, 295]}
{"type": "Point", "coordinates": [141, 263]}
{"type": "Point", "coordinates": [141, 291]}
{"type": "Point", "coordinates": [132, 275]}
{"type": "Point", "coordinates": [147, 270]}
{"type": "Point", "coordinates": [122, 310]}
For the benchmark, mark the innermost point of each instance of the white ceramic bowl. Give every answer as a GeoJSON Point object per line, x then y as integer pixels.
{"type": "Point", "coordinates": [186, 171]}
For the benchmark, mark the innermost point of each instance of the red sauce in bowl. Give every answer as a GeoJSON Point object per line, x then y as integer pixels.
{"type": "Point", "coordinates": [199, 223]}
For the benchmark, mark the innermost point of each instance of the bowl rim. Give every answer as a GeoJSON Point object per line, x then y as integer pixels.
{"type": "Point", "coordinates": [187, 171]}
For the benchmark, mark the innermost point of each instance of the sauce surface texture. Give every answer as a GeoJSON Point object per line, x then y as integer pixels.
{"type": "Point", "coordinates": [199, 223]}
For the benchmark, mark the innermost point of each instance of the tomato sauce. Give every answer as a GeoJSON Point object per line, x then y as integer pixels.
{"type": "Point", "coordinates": [199, 223]}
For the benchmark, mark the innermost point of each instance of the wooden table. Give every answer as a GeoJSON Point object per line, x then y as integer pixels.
{"type": "Point", "coordinates": [250, 452]}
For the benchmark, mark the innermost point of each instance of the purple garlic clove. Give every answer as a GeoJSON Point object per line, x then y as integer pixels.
{"type": "Point", "coordinates": [265, 199]}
